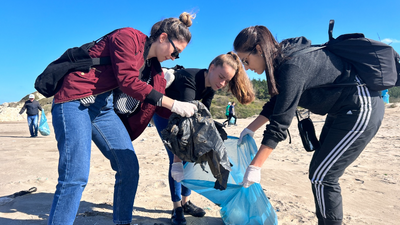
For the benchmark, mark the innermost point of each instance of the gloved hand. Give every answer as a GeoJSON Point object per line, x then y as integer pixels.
{"type": "Point", "coordinates": [244, 132]}
{"type": "Point", "coordinates": [252, 175]}
{"type": "Point", "coordinates": [184, 109]}
{"type": "Point", "coordinates": [168, 76]}
{"type": "Point", "coordinates": [177, 171]}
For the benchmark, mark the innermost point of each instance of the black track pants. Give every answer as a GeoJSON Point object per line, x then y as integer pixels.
{"type": "Point", "coordinates": [344, 136]}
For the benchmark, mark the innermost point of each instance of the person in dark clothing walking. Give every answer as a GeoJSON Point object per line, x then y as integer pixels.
{"type": "Point", "coordinates": [353, 113]}
{"type": "Point", "coordinates": [32, 108]}
{"type": "Point", "coordinates": [232, 114]}
{"type": "Point", "coordinates": [200, 84]}
{"type": "Point", "coordinates": [226, 122]}
{"type": "Point", "coordinates": [227, 110]}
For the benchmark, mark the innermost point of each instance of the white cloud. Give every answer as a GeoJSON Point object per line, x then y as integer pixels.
{"type": "Point", "coordinates": [389, 41]}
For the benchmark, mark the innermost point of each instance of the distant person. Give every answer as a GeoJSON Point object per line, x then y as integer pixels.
{"type": "Point", "coordinates": [227, 114]}
{"type": "Point", "coordinates": [32, 108]}
{"type": "Point", "coordinates": [227, 110]}
{"type": "Point", "coordinates": [232, 114]}
{"type": "Point", "coordinates": [200, 84]}
{"type": "Point", "coordinates": [353, 113]}
{"type": "Point", "coordinates": [83, 111]}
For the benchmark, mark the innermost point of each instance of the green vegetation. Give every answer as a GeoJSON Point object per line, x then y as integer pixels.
{"type": "Point", "coordinates": [260, 87]}
{"type": "Point", "coordinates": [218, 105]}
{"type": "Point", "coordinates": [222, 98]}
{"type": "Point", "coordinates": [46, 104]}
{"type": "Point", "coordinates": [220, 102]}
{"type": "Point", "coordinates": [394, 94]}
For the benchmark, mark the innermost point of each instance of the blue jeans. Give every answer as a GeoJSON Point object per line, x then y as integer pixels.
{"type": "Point", "coordinates": [33, 125]}
{"type": "Point", "coordinates": [176, 189]}
{"type": "Point", "coordinates": [75, 126]}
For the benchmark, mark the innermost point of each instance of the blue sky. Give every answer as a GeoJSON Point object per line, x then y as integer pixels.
{"type": "Point", "coordinates": [34, 33]}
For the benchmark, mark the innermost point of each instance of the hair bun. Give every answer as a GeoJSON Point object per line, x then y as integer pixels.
{"type": "Point", "coordinates": [186, 18]}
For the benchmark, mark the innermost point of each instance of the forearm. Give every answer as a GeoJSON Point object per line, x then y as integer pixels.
{"type": "Point", "coordinates": [22, 110]}
{"type": "Point", "coordinates": [261, 156]}
{"type": "Point", "coordinates": [257, 123]}
{"type": "Point", "coordinates": [167, 102]}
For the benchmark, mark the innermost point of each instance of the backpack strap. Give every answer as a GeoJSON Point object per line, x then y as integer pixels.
{"type": "Point", "coordinates": [330, 29]}
{"type": "Point", "coordinates": [339, 85]}
{"type": "Point", "coordinates": [299, 117]}
{"type": "Point", "coordinates": [318, 47]}
{"type": "Point", "coordinates": [307, 50]}
{"type": "Point", "coordinates": [315, 48]}
{"type": "Point", "coordinates": [102, 60]}
{"type": "Point", "coordinates": [106, 35]}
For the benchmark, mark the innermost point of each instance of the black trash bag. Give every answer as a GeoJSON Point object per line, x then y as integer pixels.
{"type": "Point", "coordinates": [221, 131]}
{"type": "Point", "coordinates": [196, 139]}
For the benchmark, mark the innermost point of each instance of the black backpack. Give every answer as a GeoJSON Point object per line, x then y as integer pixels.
{"type": "Point", "coordinates": [376, 63]}
{"type": "Point", "coordinates": [74, 59]}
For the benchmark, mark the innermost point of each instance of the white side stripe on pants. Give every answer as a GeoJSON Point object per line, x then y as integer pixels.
{"type": "Point", "coordinates": [342, 146]}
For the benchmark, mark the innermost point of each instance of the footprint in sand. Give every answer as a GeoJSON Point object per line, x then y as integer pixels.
{"type": "Point", "coordinates": [159, 184]}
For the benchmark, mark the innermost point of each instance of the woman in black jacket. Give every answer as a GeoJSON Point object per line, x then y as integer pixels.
{"type": "Point", "coordinates": [353, 113]}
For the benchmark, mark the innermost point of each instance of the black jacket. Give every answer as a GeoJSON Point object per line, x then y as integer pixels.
{"type": "Point", "coordinates": [189, 84]}
{"type": "Point", "coordinates": [297, 80]}
{"type": "Point", "coordinates": [32, 108]}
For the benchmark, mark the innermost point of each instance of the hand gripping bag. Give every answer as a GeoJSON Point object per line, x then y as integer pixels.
{"type": "Point", "coordinates": [239, 205]}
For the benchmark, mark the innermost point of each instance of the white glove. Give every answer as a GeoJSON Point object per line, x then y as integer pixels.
{"type": "Point", "coordinates": [244, 132]}
{"type": "Point", "coordinates": [184, 109]}
{"type": "Point", "coordinates": [252, 175]}
{"type": "Point", "coordinates": [168, 76]}
{"type": "Point", "coordinates": [177, 171]}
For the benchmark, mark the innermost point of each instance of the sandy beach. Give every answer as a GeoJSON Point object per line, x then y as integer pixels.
{"type": "Point", "coordinates": [370, 186]}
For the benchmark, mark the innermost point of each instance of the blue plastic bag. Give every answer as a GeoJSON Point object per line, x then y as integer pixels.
{"type": "Point", "coordinates": [385, 96]}
{"type": "Point", "coordinates": [44, 128]}
{"type": "Point", "coordinates": [232, 120]}
{"type": "Point", "coordinates": [239, 205]}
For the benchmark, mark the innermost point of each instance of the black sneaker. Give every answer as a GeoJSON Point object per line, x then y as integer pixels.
{"type": "Point", "coordinates": [178, 217]}
{"type": "Point", "coordinates": [191, 209]}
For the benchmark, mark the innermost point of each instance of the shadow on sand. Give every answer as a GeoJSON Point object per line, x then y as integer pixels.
{"type": "Point", "coordinates": [37, 206]}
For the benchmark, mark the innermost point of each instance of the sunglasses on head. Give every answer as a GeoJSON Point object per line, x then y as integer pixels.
{"type": "Point", "coordinates": [174, 54]}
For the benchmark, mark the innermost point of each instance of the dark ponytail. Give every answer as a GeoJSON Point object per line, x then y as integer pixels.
{"type": "Point", "coordinates": [249, 38]}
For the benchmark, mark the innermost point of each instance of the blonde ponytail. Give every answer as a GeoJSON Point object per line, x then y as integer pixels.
{"type": "Point", "coordinates": [240, 85]}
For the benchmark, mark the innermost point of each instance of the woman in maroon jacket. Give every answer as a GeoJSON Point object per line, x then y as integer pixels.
{"type": "Point", "coordinates": [83, 111]}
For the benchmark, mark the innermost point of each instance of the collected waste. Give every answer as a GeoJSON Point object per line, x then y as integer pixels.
{"type": "Point", "coordinates": [239, 205]}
